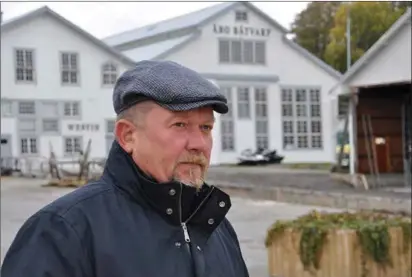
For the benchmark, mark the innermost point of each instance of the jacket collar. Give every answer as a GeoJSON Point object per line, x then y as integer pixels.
{"type": "Point", "coordinates": [204, 211]}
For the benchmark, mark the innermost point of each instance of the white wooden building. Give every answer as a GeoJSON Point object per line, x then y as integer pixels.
{"type": "Point", "coordinates": [56, 87]}
{"type": "Point", "coordinates": [385, 69]}
{"type": "Point", "coordinates": [278, 92]}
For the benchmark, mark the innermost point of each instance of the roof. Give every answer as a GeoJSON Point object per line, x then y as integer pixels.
{"type": "Point", "coordinates": [329, 69]}
{"type": "Point", "coordinates": [177, 23]}
{"type": "Point", "coordinates": [192, 20]}
{"type": "Point", "coordinates": [385, 39]}
{"type": "Point", "coordinates": [158, 50]}
{"type": "Point", "coordinates": [17, 21]}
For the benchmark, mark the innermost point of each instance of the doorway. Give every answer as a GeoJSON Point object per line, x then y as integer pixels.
{"type": "Point", "coordinates": [6, 151]}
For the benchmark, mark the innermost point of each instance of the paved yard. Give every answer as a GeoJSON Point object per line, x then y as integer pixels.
{"type": "Point", "coordinates": [22, 197]}
{"type": "Point", "coordinates": [319, 180]}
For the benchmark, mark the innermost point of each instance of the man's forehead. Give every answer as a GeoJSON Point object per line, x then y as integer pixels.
{"type": "Point", "coordinates": [205, 113]}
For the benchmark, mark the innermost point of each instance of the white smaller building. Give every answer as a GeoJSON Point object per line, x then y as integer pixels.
{"type": "Point", "coordinates": [56, 88]}
{"type": "Point", "coordinates": [385, 66]}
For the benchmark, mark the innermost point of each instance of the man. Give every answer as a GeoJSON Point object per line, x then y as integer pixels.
{"type": "Point", "coordinates": [150, 214]}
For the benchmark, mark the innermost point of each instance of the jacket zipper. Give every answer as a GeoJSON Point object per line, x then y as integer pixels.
{"type": "Point", "coordinates": [183, 223]}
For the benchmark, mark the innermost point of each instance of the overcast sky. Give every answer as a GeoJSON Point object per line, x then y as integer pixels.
{"type": "Point", "coordinates": [103, 18]}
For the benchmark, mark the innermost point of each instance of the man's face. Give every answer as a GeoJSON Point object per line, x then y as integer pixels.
{"type": "Point", "coordinates": [174, 145]}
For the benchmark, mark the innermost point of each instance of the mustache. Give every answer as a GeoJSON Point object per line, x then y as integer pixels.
{"type": "Point", "coordinates": [195, 159]}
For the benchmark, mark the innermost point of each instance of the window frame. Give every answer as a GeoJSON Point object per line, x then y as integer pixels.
{"type": "Point", "coordinates": [32, 68]}
{"type": "Point", "coordinates": [227, 122]}
{"type": "Point", "coordinates": [302, 136]}
{"type": "Point", "coordinates": [69, 70]}
{"type": "Point", "coordinates": [229, 60]}
{"type": "Point", "coordinates": [111, 73]}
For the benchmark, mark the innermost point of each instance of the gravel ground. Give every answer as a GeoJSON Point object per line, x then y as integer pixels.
{"type": "Point", "coordinates": [295, 178]}
{"type": "Point", "coordinates": [20, 198]}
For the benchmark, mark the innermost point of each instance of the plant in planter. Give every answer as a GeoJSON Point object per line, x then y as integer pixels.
{"type": "Point", "coordinates": [356, 243]}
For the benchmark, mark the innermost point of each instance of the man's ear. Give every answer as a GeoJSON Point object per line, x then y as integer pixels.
{"type": "Point", "coordinates": [124, 131]}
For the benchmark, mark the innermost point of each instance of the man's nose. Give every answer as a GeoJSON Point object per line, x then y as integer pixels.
{"type": "Point", "coordinates": [197, 140]}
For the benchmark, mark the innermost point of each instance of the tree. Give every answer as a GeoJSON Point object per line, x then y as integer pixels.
{"type": "Point", "coordinates": [369, 21]}
{"type": "Point", "coordinates": [311, 26]}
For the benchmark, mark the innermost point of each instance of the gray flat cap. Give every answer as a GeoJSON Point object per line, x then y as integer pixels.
{"type": "Point", "coordinates": [170, 85]}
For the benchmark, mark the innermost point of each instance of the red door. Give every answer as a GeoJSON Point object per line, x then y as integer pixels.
{"type": "Point", "coordinates": [382, 154]}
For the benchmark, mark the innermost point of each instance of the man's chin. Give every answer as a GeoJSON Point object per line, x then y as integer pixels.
{"type": "Point", "coordinates": [196, 183]}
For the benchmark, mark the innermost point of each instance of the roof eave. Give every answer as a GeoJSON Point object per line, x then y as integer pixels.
{"type": "Point", "coordinates": [46, 10]}
{"type": "Point", "coordinates": [383, 41]}
{"type": "Point", "coordinates": [334, 73]}
{"type": "Point", "coordinates": [178, 47]}
{"type": "Point", "coordinates": [273, 22]}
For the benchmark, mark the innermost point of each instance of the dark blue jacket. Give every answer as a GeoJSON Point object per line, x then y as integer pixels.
{"type": "Point", "coordinates": [127, 225]}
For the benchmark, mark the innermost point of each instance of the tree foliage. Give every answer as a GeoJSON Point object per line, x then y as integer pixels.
{"type": "Point", "coordinates": [321, 28]}
{"type": "Point", "coordinates": [311, 27]}
{"type": "Point", "coordinates": [369, 21]}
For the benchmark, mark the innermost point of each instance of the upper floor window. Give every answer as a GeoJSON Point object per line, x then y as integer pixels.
{"type": "Point", "coordinates": [238, 51]}
{"type": "Point", "coordinates": [25, 70]}
{"type": "Point", "coordinates": [109, 73]}
{"type": "Point", "coordinates": [241, 16]}
{"type": "Point", "coordinates": [69, 68]}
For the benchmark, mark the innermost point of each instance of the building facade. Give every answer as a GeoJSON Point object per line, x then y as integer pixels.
{"type": "Point", "coordinates": [58, 91]}
{"type": "Point", "coordinates": [380, 82]}
{"type": "Point", "coordinates": [277, 91]}
{"type": "Point", "coordinates": [56, 87]}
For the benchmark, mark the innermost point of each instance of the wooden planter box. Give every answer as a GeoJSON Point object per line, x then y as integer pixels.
{"type": "Point", "coordinates": [341, 256]}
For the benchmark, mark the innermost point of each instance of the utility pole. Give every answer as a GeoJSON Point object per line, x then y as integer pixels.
{"type": "Point", "coordinates": [348, 112]}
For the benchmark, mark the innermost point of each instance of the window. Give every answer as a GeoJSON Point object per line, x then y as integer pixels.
{"type": "Point", "coordinates": [27, 107]}
{"type": "Point", "coordinates": [6, 108]}
{"type": "Point", "coordinates": [28, 145]}
{"type": "Point", "coordinates": [109, 74]}
{"type": "Point", "coordinates": [227, 123]}
{"type": "Point", "coordinates": [240, 16]}
{"type": "Point", "coordinates": [343, 106]}
{"type": "Point", "coordinates": [24, 59]}
{"type": "Point", "coordinates": [71, 109]}
{"type": "Point", "coordinates": [110, 126]}
{"type": "Point", "coordinates": [262, 122]}
{"type": "Point", "coordinates": [72, 145]}
{"type": "Point", "coordinates": [27, 125]}
{"type": "Point", "coordinates": [69, 68]}
{"type": "Point", "coordinates": [243, 103]}
{"type": "Point", "coordinates": [50, 109]}
{"type": "Point", "coordinates": [50, 125]}
{"type": "Point", "coordinates": [242, 51]}
{"type": "Point", "coordinates": [301, 118]}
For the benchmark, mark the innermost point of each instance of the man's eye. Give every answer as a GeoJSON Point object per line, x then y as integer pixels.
{"type": "Point", "coordinates": [207, 127]}
{"type": "Point", "coordinates": [180, 124]}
